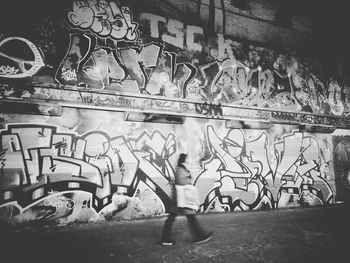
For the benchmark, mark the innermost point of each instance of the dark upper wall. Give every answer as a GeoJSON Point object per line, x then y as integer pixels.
{"type": "Point", "coordinates": [265, 23]}
{"type": "Point", "coordinates": [292, 20]}
{"type": "Point", "coordinates": [255, 21]}
{"type": "Point", "coordinates": [249, 53]}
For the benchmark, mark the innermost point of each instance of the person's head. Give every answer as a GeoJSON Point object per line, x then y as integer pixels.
{"type": "Point", "coordinates": [182, 158]}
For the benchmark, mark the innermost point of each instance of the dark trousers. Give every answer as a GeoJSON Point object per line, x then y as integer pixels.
{"type": "Point", "coordinates": [194, 225]}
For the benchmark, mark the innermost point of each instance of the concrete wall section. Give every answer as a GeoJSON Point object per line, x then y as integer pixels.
{"type": "Point", "coordinates": [96, 104]}
{"type": "Point", "coordinates": [89, 165]}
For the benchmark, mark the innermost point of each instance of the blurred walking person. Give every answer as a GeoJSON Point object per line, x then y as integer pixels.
{"type": "Point", "coordinates": [183, 203]}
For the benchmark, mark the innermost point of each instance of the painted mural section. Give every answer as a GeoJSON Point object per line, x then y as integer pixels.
{"type": "Point", "coordinates": [91, 164]}
{"type": "Point", "coordinates": [138, 47]}
{"type": "Point", "coordinates": [96, 166]}
{"type": "Point", "coordinates": [170, 58]}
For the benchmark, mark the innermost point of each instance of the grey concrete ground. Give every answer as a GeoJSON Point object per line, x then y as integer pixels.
{"type": "Point", "coordinates": [293, 235]}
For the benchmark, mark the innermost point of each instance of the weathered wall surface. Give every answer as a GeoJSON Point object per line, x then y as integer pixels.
{"type": "Point", "coordinates": [81, 84]}
{"type": "Point", "coordinates": [188, 49]}
{"type": "Point", "coordinates": [89, 164]}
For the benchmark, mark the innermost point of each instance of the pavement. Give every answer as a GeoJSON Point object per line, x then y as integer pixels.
{"type": "Point", "coordinates": [302, 235]}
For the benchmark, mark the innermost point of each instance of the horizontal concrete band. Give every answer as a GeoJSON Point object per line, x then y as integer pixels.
{"type": "Point", "coordinates": [48, 97]}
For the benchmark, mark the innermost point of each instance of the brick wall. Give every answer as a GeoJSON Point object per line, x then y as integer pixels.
{"type": "Point", "coordinates": [257, 23]}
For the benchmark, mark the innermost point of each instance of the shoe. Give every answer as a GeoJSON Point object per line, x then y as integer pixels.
{"type": "Point", "coordinates": [168, 243]}
{"type": "Point", "coordinates": [204, 239]}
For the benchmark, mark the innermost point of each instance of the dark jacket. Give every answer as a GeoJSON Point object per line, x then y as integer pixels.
{"type": "Point", "coordinates": [182, 176]}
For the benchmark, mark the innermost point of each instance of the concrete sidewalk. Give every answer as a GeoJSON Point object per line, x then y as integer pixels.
{"type": "Point", "coordinates": [292, 235]}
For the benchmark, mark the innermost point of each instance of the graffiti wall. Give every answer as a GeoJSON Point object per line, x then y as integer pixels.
{"type": "Point", "coordinates": [94, 165]}
{"type": "Point", "coordinates": [158, 49]}
{"type": "Point", "coordinates": [79, 67]}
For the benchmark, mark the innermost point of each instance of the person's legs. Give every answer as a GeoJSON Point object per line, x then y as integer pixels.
{"type": "Point", "coordinates": [166, 234]}
{"type": "Point", "coordinates": [195, 227]}
{"type": "Point", "coordinates": [199, 234]}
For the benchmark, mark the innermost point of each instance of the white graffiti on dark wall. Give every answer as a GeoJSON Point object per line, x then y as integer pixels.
{"type": "Point", "coordinates": [13, 65]}
{"type": "Point", "coordinates": [243, 82]}
{"type": "Point", "coordinates": [69, 75]}
{"type": "Point", "coordinates": [37, 159]}
{"type": "Point", "coordinates": [148, 70]}
{"type": "Point", "coordinates": [8, 70]}
{"type": "Point", "coordinates": [56, 200]}
{"type": "Point", "coordinates": [103, 19]}
{"type": "Point", "coordinates": [89, 60]}
{"type": "Point", "coordinates": [240, 173]}
{"type": "Point", "coordinates": [151, 70]}
{"type": "Point", "coordinates": [334, 98]}
{"type": "Point", "coordinates": [84, 60]}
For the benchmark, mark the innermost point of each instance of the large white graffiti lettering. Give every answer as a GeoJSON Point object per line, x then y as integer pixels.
{"type": "Point", "coordinates": [103, 19]}
{"type": "Point", "coordinates": [165, 57]}
{"type": "Point", "coordinates": [242, 175]}
{"type": "Point", "coordinates": [146, 70]}
{"type": "Point", "coordinates": [298, 168]}
{"type": "Point", "coordinates": [115, 47]}
{"type": "Point", "coordinates": [36, 160]}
